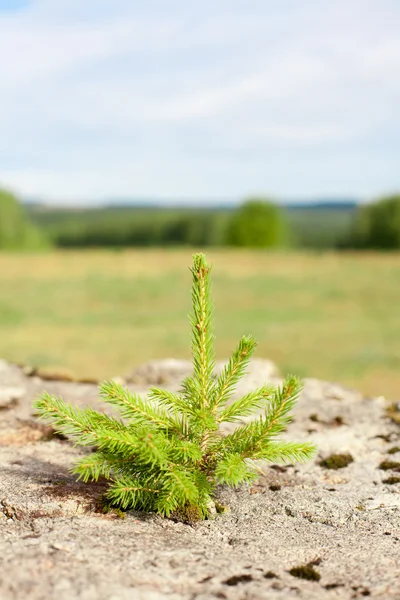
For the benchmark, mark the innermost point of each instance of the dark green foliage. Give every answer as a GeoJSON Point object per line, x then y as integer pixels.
{"type": "Point", "coordinates": [132, 226]}
{"type": "Point", "coordinates": [377, 225]}
{"type": "Point", "coordinates": [394, 450]}
{"type": "Point", "coordinates": [336, 461]}
{"type": "Point", "coordinates": [167, 453]}
{"type": "Point", "coordinates": [15, 230]}
{"type": "Point", "coordinates": [257, 224]}
{"type": "Point", "coordinates": [320, 226]}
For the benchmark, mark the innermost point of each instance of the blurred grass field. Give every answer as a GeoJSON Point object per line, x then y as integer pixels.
{"type": "Point", "coordinates": [101, 313]}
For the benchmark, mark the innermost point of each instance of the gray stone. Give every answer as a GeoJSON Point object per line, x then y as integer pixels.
{"type": "Point", "coordinates": [10, 396]}
{"type": "Point", "coordinates": [164, 371]}
{"type": "Point", "coordinates": [172, 371]}
{"type": "Point", "coordinates": [55, 540]}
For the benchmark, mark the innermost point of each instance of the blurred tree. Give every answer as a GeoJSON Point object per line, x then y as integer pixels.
{"type": "Point", "coordinates": [197, 229]}
{"type": "Point", "coordinates": [257, 223]}
{"type": "Point", "coordinates": [377, 225]}
{"type": "Point", "coordinates": [108, 228]}
{"type": "Point", "coordinates": [15, 230]}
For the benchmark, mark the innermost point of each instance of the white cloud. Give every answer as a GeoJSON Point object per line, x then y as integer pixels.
{"type": "Point", "coordinates": [172, 98]}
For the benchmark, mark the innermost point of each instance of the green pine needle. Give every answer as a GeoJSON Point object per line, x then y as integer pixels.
{"type": "Point", "coordinates": [167, 453]}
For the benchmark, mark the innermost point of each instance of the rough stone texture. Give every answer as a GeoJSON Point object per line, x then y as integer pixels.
{"type": "Point", "coordinates": [56, 543]}
{"type": "Point", "coordinates": [158, 372]}
{"type": "Point", "coordinates": [171, 371]}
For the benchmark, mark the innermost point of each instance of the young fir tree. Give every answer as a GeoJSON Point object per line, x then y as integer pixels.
{"type": "Point", "coordinates": [167, 453]}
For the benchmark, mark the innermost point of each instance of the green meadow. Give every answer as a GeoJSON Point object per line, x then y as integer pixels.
{"type": "Point", "coordinates": [101, 313]}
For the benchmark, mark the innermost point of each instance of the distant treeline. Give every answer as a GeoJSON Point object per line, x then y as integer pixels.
{"type": "Point", "coordinates": [256, 223]}
{"type": "Point", "coordinates": [114, 227]}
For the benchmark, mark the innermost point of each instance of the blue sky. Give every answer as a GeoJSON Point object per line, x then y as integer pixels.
{"type": "Point", "coordinates": [212, 99]}
{"type": "Point", "coordinates": [7, 5]}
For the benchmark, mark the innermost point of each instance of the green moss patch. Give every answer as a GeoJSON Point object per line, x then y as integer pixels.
{"type": "Point", "coordinates": [392, 480]}
{"type": "Point", "coordinates": [336, 461]}
{"type": "Point", "coordinates": [305, 572]}
{"type": "Point", "coordinates": [390, 465]}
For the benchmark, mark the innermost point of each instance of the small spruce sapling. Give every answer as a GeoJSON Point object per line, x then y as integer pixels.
{"type": "Point", "coordinates": [167, 453]}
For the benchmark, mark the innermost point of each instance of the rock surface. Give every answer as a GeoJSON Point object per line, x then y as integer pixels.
{"type": "Point", "coordinates": [343, 524]}
{"type": "Point", "coordinates": [172, 371]}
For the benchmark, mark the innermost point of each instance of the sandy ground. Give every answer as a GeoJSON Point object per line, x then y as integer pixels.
{"type": "Point", "coordinates": [339, 527]}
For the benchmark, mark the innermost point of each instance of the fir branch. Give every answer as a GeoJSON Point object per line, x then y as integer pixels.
{"type": "Point", "coordinates": [134, 408]}
{"type": "Point", "coordinates": [142, 445]}
{"type": "Point", "coordinates": [282, 402]}
{"type": "Point", "coordinates": [233, 371]}
{"type": "Point", "coordinates": [178, 409]}
{"type": "Point", "coordinates": [248, 439]}
{"type": "Point", "coordinates": [283, 452]}
{"type": "Point", "coordinates": [186, 452]}
{"type": "Point", "coordinates": [129, 492]}
{"type": "Point", "coordinates": [246, 405]}
{"type": "Point", "coordinates": [234, 470]}
{"type": "Point", "coordinates": [94, 466]}
{"type": "Point", "coordinates": [167, 452]}
{"type": "Point", "coordinates": [83, 425]}
{"type": "Point", "coordinates": [174, 402]}
{"type": "Point", "coordinates": [180, 489]}
{"type": "Point", "coordinates": [202, 330]}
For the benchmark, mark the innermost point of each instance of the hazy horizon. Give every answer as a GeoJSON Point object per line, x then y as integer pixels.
{"type": "Point", "coordinates": [187, 202]}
